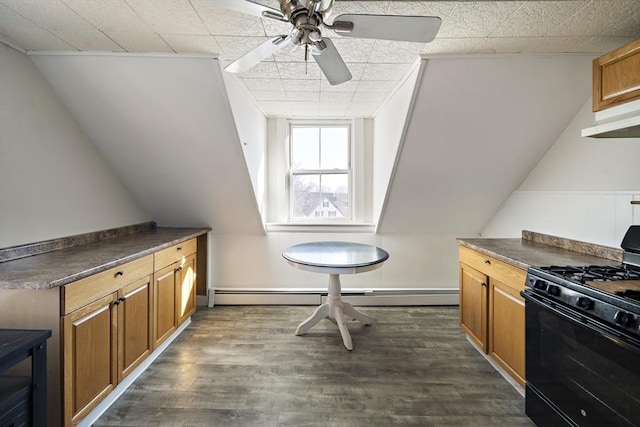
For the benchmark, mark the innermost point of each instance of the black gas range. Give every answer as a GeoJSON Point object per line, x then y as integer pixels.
{"type": "Point", "coordinates": [583, 341]}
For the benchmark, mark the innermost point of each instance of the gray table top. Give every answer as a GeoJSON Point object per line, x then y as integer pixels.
{"type": "Point", "coordinates": [335, 255]}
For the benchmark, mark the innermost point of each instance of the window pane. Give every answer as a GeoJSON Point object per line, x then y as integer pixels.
{"type": "Point", "coordinates": [305, 148]}
{"type": "Point", "coordinates": [306, 195]}
{"type": "Point", "coordinates": [335, 191]}
{"type": "Point", "coordinates": [335, 148]}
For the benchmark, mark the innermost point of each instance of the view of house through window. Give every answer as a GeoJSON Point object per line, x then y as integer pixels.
{"type": "Point", "coordinates": [320, 171]}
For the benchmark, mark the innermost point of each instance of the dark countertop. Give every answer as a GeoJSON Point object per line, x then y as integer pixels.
{"type": "Point", "coordinates": [523, 253]}
{"type": "Point", "coordinates": [59, 267]}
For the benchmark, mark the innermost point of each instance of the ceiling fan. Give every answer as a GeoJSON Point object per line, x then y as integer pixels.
{"type": "Point", "coordinates": [308, 16]}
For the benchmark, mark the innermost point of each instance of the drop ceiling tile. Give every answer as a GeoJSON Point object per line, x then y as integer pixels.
{"type": "Point", "coordinates": [28, 35]}
{"type": "Point", "coordinates": [92, 40]}
{"type": "Point", "coordinates": [477, 18]}
{"type": "Point", "coordinates": [303, 96]}
{"type": "Point", "coordinates": [334, 112]}
{"type": "Point", "coordinates": [186, 43]}
{"type": "Point", "coordinates": [385, 71]}
{"type": "Point", "coordinates": [276, 28]}
{"type": "Point", "coordinates": [233, 47]}
{"type": "Point", "coordinates": [346, 87]}
{"type": "Point", "coordinates": [394, 52]}
{"type": "Point", "coordinates": [299, 70]}
{"type": "Point", "coordinates": [336, 96]}
{"type": "Point", "coordinates": [144, 41]}
{"type": "Point", "coordinates": [222, 21]}
{"type": "Point", "coordinates": [50, 14]}
{"type": "Point", "coordinates": [263, 84]}
{"type": "Point", "coordinates": [537, 18]}
{"type": "Point", "coordinates": [365, 97]}
{"type": "Point", "coordinates": [450, 46]}
{"type": "Point", "coordinates": [109, 16]}
{"type": "Point", "coordinates": [354, 50]}
{"type": "Point", "coordinates": [262, 70]}
{"type": "Point", "coordinates": [292, 85]}
{"type": "Point", "coordinates": [502, 44]}
{"type": "Point", "coordinates": [376, 85]}
{"type": "Point", "coordinates": [441, 9]}
{"type": "Point", "coordinates": [360, 7]}
{"type": "Point", "coordinates": [269, 95]}
{"type": "Point", "coordinates": [365, 109]}
{"type": "Point", "coordinates": [603, 44]}
{"type": "Point", "coordinates": [598, 18]}
{"type": "Point", "coordinates": [175, 17]}
{"type": "Point", "coordinates": [629, 27]}
{"type": "Point", "coordinates": [554, 44]}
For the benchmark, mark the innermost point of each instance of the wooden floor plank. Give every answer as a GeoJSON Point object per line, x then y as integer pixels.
{"type": "Point", "coordinates": [243, 366]}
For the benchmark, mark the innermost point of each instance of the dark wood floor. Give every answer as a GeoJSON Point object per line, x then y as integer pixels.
{"type": "Point", "coordinates": [243, 366]}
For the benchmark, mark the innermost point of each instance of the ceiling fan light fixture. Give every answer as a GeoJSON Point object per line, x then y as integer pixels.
{"type": "Point", "coordinates": [318, 47]}
{"type": "Point", "coordinates": [315, 36]}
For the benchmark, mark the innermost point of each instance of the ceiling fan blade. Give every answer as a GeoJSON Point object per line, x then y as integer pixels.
{"type": "Point", "coordinates": [261, 52]}
{"type": "Point", "coordinates": [248, 7]}
{"type": "Point", "coordinates": [331, 64]}
{"type": "Point", "coordinates": [421, 29]}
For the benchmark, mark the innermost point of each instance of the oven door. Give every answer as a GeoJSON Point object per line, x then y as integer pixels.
{"type": "Point", "coordinates": [579, 372]}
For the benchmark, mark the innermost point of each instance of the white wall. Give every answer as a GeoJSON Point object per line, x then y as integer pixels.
{"type": "Point", "coordinates": [53, 181]}
{"type": "Point", "coordinates": [251, 125]}
{"type": "Point", "coordinates": [581, 189]}
{"type": "Point", "coordinates": [388, 134]}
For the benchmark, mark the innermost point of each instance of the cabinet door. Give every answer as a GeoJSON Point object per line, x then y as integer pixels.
{"type": "Point", "coordinates": [90, 353]}
{"type": "Point", "coordinates": [164, 310]}
{"type": "Point", "coordinates": [134, 325]}
{"type": "Point", "coordinates": [473, 305]}
{"type": "Point", "coordinates": [186, 290]}
{"type": "Point", "coordinates": [506, 330]}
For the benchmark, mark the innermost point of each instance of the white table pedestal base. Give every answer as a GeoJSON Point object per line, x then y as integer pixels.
{"type": "Point", "coordinates": [335, 309]}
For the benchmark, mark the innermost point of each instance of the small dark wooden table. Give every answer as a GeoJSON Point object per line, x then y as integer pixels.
{"type": "Point", "coordinates": [17, 345]}
{"type": "Point", "coordinates": [335, 258]}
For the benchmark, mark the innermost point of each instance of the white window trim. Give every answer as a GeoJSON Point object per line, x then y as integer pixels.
{"type": "Point", "coordinates": [361, 175]}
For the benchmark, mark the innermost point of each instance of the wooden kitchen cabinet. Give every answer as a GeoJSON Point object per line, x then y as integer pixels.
{"type": "Point", "coordinates": [616, 76]}
{"type": "Point", "coordinates": [107, 336]}
{"type": "Point", "coordinates": [135, 341]}
{"type": "Point", "coordinates": [174, 288]}
{"type": "Point", "coordinates": [473, 305]}
{"type": "Point", "coordinates": [90, 355]}
{"type": "Point", "coordinates": [506, 332]}
{"type": "Point", "coordinates": [492, 310]}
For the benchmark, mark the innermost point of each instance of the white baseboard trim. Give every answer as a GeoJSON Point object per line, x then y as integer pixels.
{"type": "Point", "coordinates": [93, 416]}
{"type": "Point", "coordinates": [305, 296]}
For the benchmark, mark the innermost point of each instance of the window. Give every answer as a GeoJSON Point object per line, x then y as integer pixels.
{"type": "Point", "coordinates": [320, 171]}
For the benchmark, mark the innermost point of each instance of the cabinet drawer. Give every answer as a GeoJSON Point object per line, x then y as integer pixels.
{"type": "Point", "coordinates": [173, 254]}
{"type": "Point", "coordinates": [494, 268]}
{"type": "Point", "coordinates": [84, 291]}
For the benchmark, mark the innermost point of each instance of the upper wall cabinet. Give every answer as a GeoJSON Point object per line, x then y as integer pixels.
{"type": "Point", "coordinates": [616, 77]}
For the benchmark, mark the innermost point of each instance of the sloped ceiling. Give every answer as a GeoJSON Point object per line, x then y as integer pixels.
{"type": "Point", "coordinates": [165, 125]}
{"type": "Point", "coordinates": [479, 125]}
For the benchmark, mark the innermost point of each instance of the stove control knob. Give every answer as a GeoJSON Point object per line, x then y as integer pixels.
{"type": "Point", "coordinates": [584, 302]}
{"type": "Point", "coordinates": [540, 284]}
{"type": "Point", "coordinates": [553, 290]}
{"type": "Point", "coordinates": [623, 318]}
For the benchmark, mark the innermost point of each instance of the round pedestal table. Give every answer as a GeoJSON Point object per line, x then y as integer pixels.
{"type": "Point", "coordinates": [334, 259]}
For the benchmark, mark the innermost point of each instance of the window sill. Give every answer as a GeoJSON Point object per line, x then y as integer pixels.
{"type": "Point", "coordinates": [291, 227]}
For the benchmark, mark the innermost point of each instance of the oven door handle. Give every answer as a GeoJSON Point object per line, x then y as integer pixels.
{"type": "Point", "coordinates": [597, 327]}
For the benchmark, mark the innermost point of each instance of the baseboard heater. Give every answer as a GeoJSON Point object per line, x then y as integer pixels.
{"type": "Point", "coordinates": [363, 297]}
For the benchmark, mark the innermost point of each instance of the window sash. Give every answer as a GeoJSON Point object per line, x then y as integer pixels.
{"type": "Point", "coordinates": [293, 173]}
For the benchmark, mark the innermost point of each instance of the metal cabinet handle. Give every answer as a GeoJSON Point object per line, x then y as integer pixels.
{"type": "Point", "coordinates": [179, 248]}
{"type": "Point", "coordinates": [119, 273]}
{"type": "Point", "coordinates": [486, 261]}
{"type": "Point", "coordinates": [179, 269]}
{"type": "Point", "coordinates": [483, 284]}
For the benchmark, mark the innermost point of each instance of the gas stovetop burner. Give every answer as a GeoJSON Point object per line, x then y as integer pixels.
{"type": "Point", "coordinates": [595, 273]}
